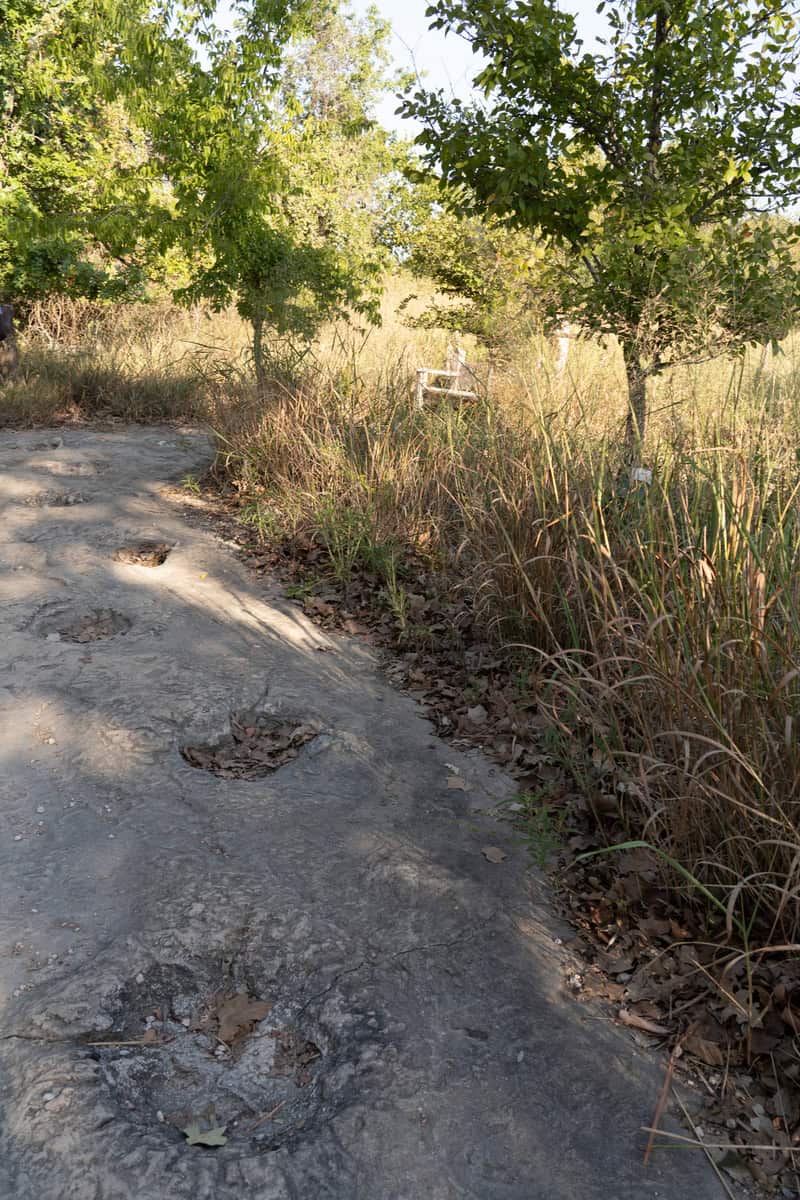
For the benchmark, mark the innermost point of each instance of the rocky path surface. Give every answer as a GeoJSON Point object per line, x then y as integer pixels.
{"type": "Point", "coordinates": [231, 854]}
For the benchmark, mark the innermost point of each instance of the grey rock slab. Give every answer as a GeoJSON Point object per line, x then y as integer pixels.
{"type": "Point", "coordinates": [421, 1041]}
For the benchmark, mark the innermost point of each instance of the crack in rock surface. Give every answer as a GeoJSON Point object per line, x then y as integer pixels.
{"type": "Point", "coordinates": [315, 957]}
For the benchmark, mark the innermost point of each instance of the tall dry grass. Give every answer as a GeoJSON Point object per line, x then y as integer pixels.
{"type": "Point", "coordinates": [662, 623]}
{"type": "Point", "coordinates": [137, 362]}
{"type": "Point", "coordinates": [664, 620]}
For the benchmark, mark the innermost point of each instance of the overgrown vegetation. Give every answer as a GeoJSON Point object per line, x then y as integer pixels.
{"type": "Point", "coordinates": [659, 626]}
{"type": "Point", "coordinates": [662, 622]}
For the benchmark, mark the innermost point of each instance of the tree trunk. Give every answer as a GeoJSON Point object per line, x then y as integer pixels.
{"type": "Point", "coordinates": [258, 356]}
{"type": "Point", "coordinates": [9, 358]}
{"type": "Point", "coordinates": [636, 424]}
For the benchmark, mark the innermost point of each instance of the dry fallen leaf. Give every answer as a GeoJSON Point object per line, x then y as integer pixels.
{"type": "Point", "coordinates": [238, 1014]}
{"type": "Point", "coordinates": [456, 783]}
{"type": "Point", "coordinates": [494, 854]}
{"type": "Point", "coordinates": [318, 607]}
{"type": "Point", "coordinates": [634, 1021]}
{"type": "Point", "coordinates": [196, 1136]}
{"type": "Point", "coordinates": [708, 1052]}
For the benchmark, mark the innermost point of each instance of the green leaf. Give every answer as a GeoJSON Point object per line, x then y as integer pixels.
{"type": "Point", "coordinates": [729, 174]}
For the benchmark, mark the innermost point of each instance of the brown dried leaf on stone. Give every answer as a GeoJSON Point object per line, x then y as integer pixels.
{"type": "Point", "coordinates": [493, 854]}
{"type": "Point", "coordinates": [196, 1135]}
{"type": "Point", "coordinates": [655, 927]}
{"type": "Point", "coordinates": [237, 1015]}
{"type": "Point", "coordinates": [456, 784]}
{"type": "Point", "coordinates": [763, 1041]}
{"type": "Point", "coordinates": [252, 751]}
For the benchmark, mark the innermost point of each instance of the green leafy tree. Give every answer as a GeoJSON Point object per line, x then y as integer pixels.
{"type": "Point", "coordinates": [143, 134]}
{"type": "Point", "coordinates": [487, 275]}
{"type": "Point", "coordinates": [651, 159]}
{"type": "Point", "coordinates": [336, 158]}
{"type": "Point", "coordinates": [257, 144]}
{"type": "Point", "coordinates": [72, 200]}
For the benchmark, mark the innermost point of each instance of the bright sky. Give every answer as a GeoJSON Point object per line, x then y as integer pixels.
{"type": "Point", "coordinates": [445, 61]}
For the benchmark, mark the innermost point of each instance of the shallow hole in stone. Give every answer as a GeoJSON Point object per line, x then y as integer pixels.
{"type": "Point", "coordinates": [165, 1064]}
{"type": "Point", "coordinates": [56, 499]}
{"type": "Point", "coordinates": [257, 745]}
{"type": "Point", "coordinates": [72, 468]}
{"type": "Point", "coordinates": [142, 553]}
{"type": "Point", "coordinates": [92, 626]}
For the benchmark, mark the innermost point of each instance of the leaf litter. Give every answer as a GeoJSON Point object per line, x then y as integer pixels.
{"type": "Point", "coordinates": [254, 748]}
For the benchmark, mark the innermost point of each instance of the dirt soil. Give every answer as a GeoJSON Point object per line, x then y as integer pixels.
{"type": "Point", "coordinates": [309, 963]}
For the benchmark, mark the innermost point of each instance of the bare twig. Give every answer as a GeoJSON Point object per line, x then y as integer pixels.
{"type": "Point", "coordinates": [663, 1095]}
{"type": "Point", "coordinates": [688, 1141]}
{"type": "Point", "coordinates": [661, 1104]}
{"type": "Point", "coordinates": [140, 1042]}
{"type": "Point", "coordinates": [267, 1116]}
{"type": "Point", "coordinates": [717, 1171]}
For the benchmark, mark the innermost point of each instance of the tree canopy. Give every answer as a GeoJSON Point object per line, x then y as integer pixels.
{"type": "Point", "coordinates": [71, 195]}
{"type": "Point", "coordinates": [486, 275]}
{"type": "Point", "coordinates": [652, 157]}
{"type": "Point", "coordinates": [245, 151]}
